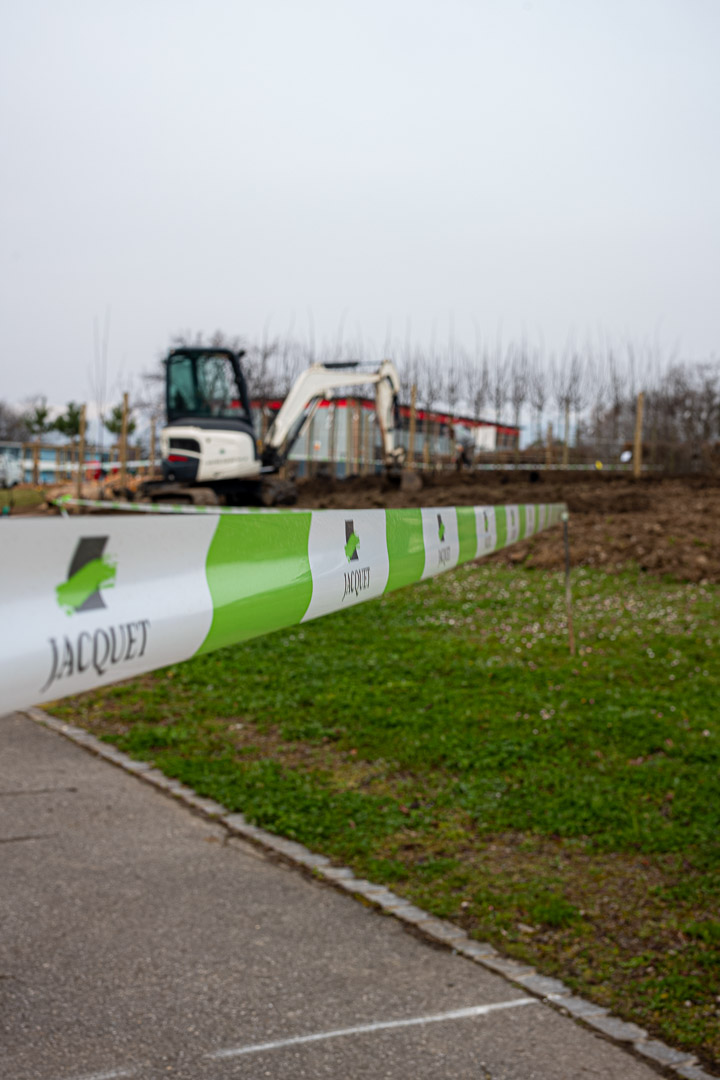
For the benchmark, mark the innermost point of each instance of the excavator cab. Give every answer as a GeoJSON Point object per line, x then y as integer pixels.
{"type": "Point", "coordinates": [209, 437]}
{"type": "Point", "coordinates": [207, 387]}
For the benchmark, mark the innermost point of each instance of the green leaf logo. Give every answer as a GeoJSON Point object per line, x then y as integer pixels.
{"type": "Point", "coordinates": [89, 579]}
{"type": "Point", "coordinates": [351, 546]}
{"type": "Point", "coordinates": [441, 528]}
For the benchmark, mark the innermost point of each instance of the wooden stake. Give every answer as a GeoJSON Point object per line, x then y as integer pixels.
{"type": "Point", "coordinates": [81, 455]}
{"type": "Point", "coordinates": [637, 450]}
{"type": "Point", "coordinates": [348, 436]}
{"type": "Point", "coordinates": [332, 409]}
{"type": "Point", "coordinates": [369, 448]}
{"type": "Point", "coordinates": [566, 444]}
{"type": "Point", "coordinates": [428, 438]}
{"type": "Point", "coordinates": [568, 590]}
{"type": "Point", "coordinates": [123, 440]}
{"type": "Point", "coordinates": [309, 449]}
{"type": "Point", "coordinates": [361, 440]}
{"type": "Point", "coordinates": [151, 467]}
{"type": "Point", "coordinates": [356, 436]}
{"type": "Point", "coordinates": [36, 463]}
{"type": "Point", "coordinates": [411, 435]}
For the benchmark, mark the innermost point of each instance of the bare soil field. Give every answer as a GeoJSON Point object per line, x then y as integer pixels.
{"type": "Point", "coordinates": [665, 526]}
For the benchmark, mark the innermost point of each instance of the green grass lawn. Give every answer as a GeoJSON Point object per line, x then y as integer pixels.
{"type": "Point", "coordinates": [20, 498]}
{"type": "Point", "coordinates": [443, 741]}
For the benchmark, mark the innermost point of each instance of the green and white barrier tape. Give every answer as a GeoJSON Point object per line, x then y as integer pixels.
{"type": "Point", "coordinates": [90, 600]}
{"type": "Point", "coordinates": [68, 502]}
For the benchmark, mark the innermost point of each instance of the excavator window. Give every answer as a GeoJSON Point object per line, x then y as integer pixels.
{"type": "Point", "coordinates": [181, 388]}
{"type": "Point", "coordinates": [203, 384]}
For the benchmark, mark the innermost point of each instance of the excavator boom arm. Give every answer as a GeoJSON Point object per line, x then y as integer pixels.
{"type": "Point", "coordinates": [320, 381]}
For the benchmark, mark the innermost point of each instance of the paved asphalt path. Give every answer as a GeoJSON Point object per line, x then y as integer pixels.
{"type": "Point", "coordinates": [137, 940]}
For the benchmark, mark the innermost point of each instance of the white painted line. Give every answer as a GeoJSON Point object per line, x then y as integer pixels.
{"type": "Point", "coordinates": [113, 1074]}
{"type": "Point", "coordinates": [364, 1029]}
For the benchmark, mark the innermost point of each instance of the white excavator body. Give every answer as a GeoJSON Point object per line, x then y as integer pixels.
{"type": "Point", "coordinates": [211, 455]}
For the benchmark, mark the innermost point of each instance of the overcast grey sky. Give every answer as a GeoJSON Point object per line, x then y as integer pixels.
{"type": "Point", "coordinates": [547, 167]}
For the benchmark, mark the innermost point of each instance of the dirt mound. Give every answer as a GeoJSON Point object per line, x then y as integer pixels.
{"type": "Point", "coordinates": [665, 526]}
{"type": "Point", "coordinates": [607, 502]}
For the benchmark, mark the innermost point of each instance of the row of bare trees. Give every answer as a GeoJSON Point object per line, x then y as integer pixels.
{"type": "Point", "coordinates": [500, 382]}
{"type": "Point", "coordinates": [681, 429]}
{"type": "Point", "coordinates": [587, 394]}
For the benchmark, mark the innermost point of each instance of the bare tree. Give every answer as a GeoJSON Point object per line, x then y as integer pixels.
{"type": "Point", "coordinates": [99, 372]}
{"type": "Point", "coordinates": [408, 368]}
{"type": "Point", "coordinates": [538, 390]}
{"type": "Point", "coordinates": [708, 402]}
{"type": "Point", "coordinates": [258, 368]}
{"type": "Point", "coordinates": [429, 387]}
{"type": "Point", "coordinates": [478, 383]}
{"type": "Point", "coordinates": [340, 338]}
{"type": "Point", "coordinates": [13, 425]}
{"type": "Point", "coordinates": [500, 379]}
{"type": "Point", "coordinates": [290, 361]}
{"type": "Point", "coordinates": [519, 378]}
{"type": "Point", "coordinates": [453, 378]}
{"type": "Point", "coordinates": [563, 374]}
{"type": "Point", "coordinates": [617, 384]}
{"type": "Point", "coordinates": [577, 390]}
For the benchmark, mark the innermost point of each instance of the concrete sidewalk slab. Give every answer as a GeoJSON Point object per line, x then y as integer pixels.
{"type": "Point", "coordinates": [138, 940]}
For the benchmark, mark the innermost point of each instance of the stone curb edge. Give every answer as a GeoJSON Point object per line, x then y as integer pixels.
{"type": "Point", "coordinates": [553, 992]}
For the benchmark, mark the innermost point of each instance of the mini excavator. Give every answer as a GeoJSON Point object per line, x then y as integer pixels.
{"type": "Point", "coordinates": [210, 453]}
